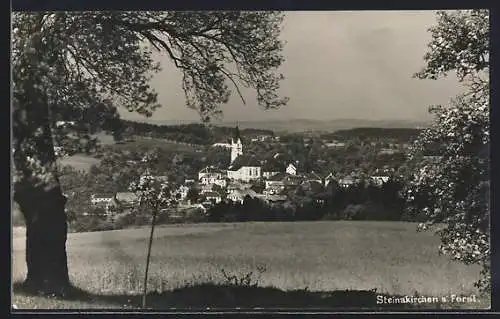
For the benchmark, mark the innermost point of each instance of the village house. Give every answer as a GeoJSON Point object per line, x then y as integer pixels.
{"type": "Point", "coordinates": [127, 198]}
{"type": "Point", "coordinates": [379, 180]}
{"type": "Point", "coordinates": [112, 203]}
{"type": "Point", "coordinates": [386, 151]}
{"type": "Point", "coordinates": [273, 190]}
{"type": "Point", "coordinates": [291, 169]}
{"type": "Point", "coordinates": [261, 138]}
{"type": "Point", "coordinates": [346, 181]}
{"type": "Point", "coordinates": [307, 177]}
{"type": "Point", "coordinates": [236, 185]}
{"type": "Point", "coordinates": [182, 191]}
{"type": "Point", "coordinates": [213, 179]}
{"type": "Point", "coordinates": [268, 174]}
{"type": "Point", "coordinates": [271, 168]}
{"type": "Point", "coordinates": [334, 144]}
{"type": "Point", "coordinates": [238, 196]}
{"type": "Point", "coordinates": [223, 145]}
{"type": "Point", "coordinates": [275, 184]}
{"type": "Point", "coordinates": [101, 199]}
{"type": "Point", "coordinates": [205, 188]}
{"type": "Point", "coordinates": [292, 181]}
{"type": "Point", "coordinates": [65, 123]}
{"type": "Point", "coordinates": [213, 197]}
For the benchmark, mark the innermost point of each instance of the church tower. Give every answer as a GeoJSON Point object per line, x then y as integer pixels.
{"type": "Point", "coordinates": [236, 145]}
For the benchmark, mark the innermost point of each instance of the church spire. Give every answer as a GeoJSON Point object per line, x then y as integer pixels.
{"type": "Point", "coordinates": [236, 145]}
{"type": "Point", "coordinates": [237, 133]}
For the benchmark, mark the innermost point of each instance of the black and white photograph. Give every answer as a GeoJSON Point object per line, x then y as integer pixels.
{"type": "Point", "coordinates": [250, 160]}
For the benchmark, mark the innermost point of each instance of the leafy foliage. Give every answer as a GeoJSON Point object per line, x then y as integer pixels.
{"type": "Point", "coordinates": [453, 186]}
{"type": "Point", "coordinates": [153, 192]}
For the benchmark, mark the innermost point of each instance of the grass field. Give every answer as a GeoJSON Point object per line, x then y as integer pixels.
{"type": "Point", "coordinates": [79, 162]}
{"type": "Point", "coordinates": [151, 143]}
{"type": "Point", "coordinates": [318, 256]}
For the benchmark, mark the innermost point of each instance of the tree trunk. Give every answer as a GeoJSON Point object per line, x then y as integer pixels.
{"type": "Point", "coordinates": [46, 232]}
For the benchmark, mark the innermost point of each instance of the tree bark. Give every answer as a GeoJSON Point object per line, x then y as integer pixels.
{"type": "Point", "coordinates": [46, 233]}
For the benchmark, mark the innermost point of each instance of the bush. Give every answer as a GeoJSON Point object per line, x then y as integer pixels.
{"type": "Point", "coordinates": [86, 224]}
{"type": "Point", "coordinates": [352, 212]}
{"type": "Point", "coordinates": [124, 220]}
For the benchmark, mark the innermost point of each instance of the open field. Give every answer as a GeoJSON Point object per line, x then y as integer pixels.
{"type": "Point", "coordinates": [320, 256]}
{"type": "Point", "coordinates": [151, 143]}
{"type": "Point", "coordinates": [79, 161]}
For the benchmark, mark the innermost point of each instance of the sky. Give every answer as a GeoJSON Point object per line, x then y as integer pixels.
{"type": "Point", "coordinates": [339, 65]}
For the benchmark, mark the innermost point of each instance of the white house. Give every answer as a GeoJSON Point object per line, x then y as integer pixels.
{"type": "Point", "coordinates": [291, 169]}
{"type": "Point", "coordinates": [205, 188]}
{"type": "Point", "coordinates": [238, 196]}
{"type": "Point", "coordinates": [224, 145]}
{"type": "Point", "coordinates": [387, 151]}
{"type": "Point", "coordinates": [128, 198]}
{"type": "Point", "coordinates": [65, 123]}
{"type": "Point", "coordinates": [335, 144]}
{"type": "Point", "coordinates": [102, 199]}
{"type": "Point", "coordinates": [278, 183]}
{"type": "Point", "coordinates": [269, 174]}
{"type": "Point", "coordinates": [213, 179]}
{"type": "Point", "coordinates": [237, 185]}
{"type": "Point", "coordinates": [379, 180]}
{"type": "Point", "coordinates": [213, 196]}
{"type": "Point", "coordinates": [182, 191]}
{"type": "Point", "coordinates": [346, 182]}
{"type": "Point", "coordinates": [275, 184]}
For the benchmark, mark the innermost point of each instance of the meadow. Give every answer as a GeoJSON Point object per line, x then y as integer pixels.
{"type": "Point", "coordinates": [79, 162]}
{"type": "Point", "coordinates": [391, 257]}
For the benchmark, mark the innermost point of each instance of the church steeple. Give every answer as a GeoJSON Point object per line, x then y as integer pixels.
{"type": "Point", "coordinates": [236, 145]}
{"type": "Point", "coordinates": [236, 135]}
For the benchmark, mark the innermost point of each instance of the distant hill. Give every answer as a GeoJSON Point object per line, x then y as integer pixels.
{"type": "Point", "coordinates": [401, 134]}
{"type": "Point", "coordinates": [301, 125]}
{"type": "Point", "coordinates": [191, 133]}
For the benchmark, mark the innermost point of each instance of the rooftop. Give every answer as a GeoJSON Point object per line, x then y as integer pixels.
{"type": "Point", "coordinates": [103, 195]}
{"type": "Point", "coordinates": [126, 196]}
{"type": "Point", "coordinates": [244, 160]}
{"type": "Point", "coordinates": [278, 177]}
{"type": "Point", "coordinates": [212, 194]}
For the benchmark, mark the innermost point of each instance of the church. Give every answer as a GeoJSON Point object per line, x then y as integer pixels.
{"type": "Point", "coordinates": [242, 167]}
